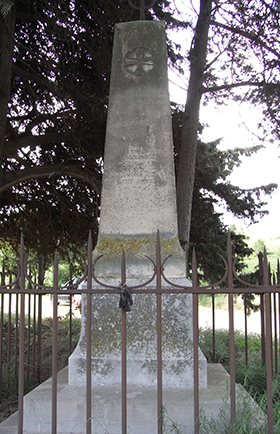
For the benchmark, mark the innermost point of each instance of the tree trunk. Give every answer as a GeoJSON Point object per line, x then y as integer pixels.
{"type": "Point", "coordinates": [7, 32]}
{"type": "Point", "coordinates": [187, 152]}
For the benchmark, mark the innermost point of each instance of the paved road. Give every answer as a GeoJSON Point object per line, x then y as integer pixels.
{"type": "Point", "coordinates": [47, 306]}
{"type": "Point", "coordinates": [221, 319]}
{"type": "Point", "coordinates": [205, 314]}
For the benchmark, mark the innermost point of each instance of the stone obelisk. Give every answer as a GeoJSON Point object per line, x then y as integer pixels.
{"type": "Point", "coordinates": [138, 191]}
{"type": "Point", "coordinates": [138, 198]}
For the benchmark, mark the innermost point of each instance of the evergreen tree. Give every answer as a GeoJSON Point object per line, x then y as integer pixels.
{"type": "Point", "coordinates": [213, 191]}
{"type": "Point", "coordinates": [55, 71]}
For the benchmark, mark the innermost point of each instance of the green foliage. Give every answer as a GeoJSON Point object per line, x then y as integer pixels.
{"type": "Point", "coordinates": [52, 150]}
{"type": "Point", "coordinates": [10, 382]}
{"type": "Point", "coordinates": [51, 163]}
{"type": "Point", "coordinates": [252, 376]}
{"type": "Point", "coordinates": [222, 346]}
{"type": "Point", "coordinates": [211, 187]}
{"type": "Point", "coordinates": [10, 377]}
{"type": "Point", "coordinates": [259, 246]}
{"type": "Point", "coordinates": [272, 246]}
{"type": "Point", "coordinates": [169, 425]}
{"type": "Point", "coordinates": [62, 342]}
{"type": "Point", "coordinates": [220, 301]}
{"type": "Point", "coordinates": [248, 420]}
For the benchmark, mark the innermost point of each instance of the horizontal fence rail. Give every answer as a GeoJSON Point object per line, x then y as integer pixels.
{"type": "Point", "coordinates": [21, 342]}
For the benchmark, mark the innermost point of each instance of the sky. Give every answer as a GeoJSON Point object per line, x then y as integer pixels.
{"type": "Point", "coordinates": [235, 124]}
{"type": "Point", "coordinates": [259, 169]}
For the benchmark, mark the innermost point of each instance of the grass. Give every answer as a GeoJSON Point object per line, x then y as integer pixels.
{"type": "Point", "coordinates": [252, 376]}
{"type": "Point", "coordinates": [248, 419]}
{"type": "Point", "coordinates": [169, 425]}
{"type": "Point", "coordinates": [221, 301]}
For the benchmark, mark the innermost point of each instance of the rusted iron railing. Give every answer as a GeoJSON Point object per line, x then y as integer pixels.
{"type": "Point", "coordinates": [22, 285]}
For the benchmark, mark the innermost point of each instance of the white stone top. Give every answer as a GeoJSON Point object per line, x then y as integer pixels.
{"type": "Point", "coordinates": [138, 190]}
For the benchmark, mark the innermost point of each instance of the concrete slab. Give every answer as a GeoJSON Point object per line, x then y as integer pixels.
{"type": "Point", "coordinates": [141, 404]}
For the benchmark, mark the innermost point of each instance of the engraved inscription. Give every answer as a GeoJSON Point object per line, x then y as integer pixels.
{"type": "Point", "coordinates": [139, 61]}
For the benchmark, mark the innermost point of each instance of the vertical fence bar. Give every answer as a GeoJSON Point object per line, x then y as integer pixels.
{"type": "Point", "coordinates": [159, 335]}
{"type": "Point", "coordinates": [278, 281]}
{"type": "Point", "coordinates": [124, 354]}
{"type": "Point", "coordinates": [231, 334]}
{"type": "Point", "coordinates": [271, 312]}
{"type": "Point", "coordinates": [89, 321]}
{"type": "Point", "coordinates": [39, 328]}
{"type": "Point", "coordinates": [70, 325]}
{"type": "Point", "coordinates": [28, 335]}
{"type": "Point", "coordinates": [10, 324]}
{"type": "Point", "coordinates": [54, 346]}
{"type": "Point", "coordinates": [1, 346]}
{"type": "Point", "coordinates": [21, 338]}
{"type": "Point", "coordinates": [260, 281]}
{"type": "Point", "coordinates": [28, 324]}
{"type": "Point", "coordinates": [213, 329]}
{"type": "Point", "coordinates": [246, 329]}
{"type": "Point", "coordinates": [39, 338]}
{"type": "Point", "coordinates": [275, 329]}
{"type": "Point", "coordinates": [195, 346]}
{"type": "Point", "coordinates": [16, 337]}
{"type": "Point", "coordinates": [34, 335]}
{"type": "Point", "coordinates": [262, 311]}
{"type": "Point", "coordinates": [268, 347]}
{"type": "Point", "coordinates": [1, 331]}
{"type": "Point", "coordinates": [70, 311]}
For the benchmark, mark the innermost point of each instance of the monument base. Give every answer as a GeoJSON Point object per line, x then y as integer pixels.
{"type": "Point", "coordinates": [141, 406]}
{"type": "Point", "coordinates": [177, 344]}
{"type": "Point", "coordinates": [140, 372]}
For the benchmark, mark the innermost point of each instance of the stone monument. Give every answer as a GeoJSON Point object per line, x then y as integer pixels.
{"type": "Point", "coordinates": [138, 198]}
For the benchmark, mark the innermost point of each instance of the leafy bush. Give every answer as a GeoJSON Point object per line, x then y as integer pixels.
{"type": "Point", "coordinates": [252, 376]}
{"type": "Point", "coordinates": [9, 389]}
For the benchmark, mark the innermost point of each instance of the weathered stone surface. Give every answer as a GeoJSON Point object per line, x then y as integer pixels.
{"type": "Point", "coordinates": [138, 198]}
{"type": "Point", "coordinates": [138, 191]}
{"type": "Point", "coordinates": [177, 349]}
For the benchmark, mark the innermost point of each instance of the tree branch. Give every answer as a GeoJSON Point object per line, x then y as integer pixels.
{"type": "Point", "coordinates": [36, 172]}
{"type": "Point", "coordinates": [39, 79]}
{"type": "Point", "coordinates": [232, 86]}
{"type": "Point", "coordinates": [248, 35]}
{"type": "Point", "coordinates": [12, 146]}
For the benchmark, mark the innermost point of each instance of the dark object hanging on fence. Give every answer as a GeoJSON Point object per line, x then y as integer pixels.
{"type": "Point", "coordinates": [125, 298]}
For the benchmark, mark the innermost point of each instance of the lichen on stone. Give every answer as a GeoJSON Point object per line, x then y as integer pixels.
{"type": "Point", "coordinates": [136, 246]}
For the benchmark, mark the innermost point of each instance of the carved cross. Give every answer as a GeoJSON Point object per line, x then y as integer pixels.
{"type": "Point", "coordinates": [142, 7]}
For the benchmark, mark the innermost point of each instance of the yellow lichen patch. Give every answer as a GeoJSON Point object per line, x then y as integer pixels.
{"type": "Point", "coordinates": [138, 246]}
{"type": "Point", "coordinates": [170, 246]}
{"type": "Point", "coordinates": [113, 246]}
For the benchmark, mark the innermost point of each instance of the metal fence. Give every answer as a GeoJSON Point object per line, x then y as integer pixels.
{"type": "Point", "coordinates": [22, 346]}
